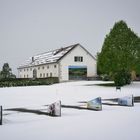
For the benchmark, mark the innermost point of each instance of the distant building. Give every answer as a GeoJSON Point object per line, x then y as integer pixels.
{"type": "Point", "coordinates": [70, 63]}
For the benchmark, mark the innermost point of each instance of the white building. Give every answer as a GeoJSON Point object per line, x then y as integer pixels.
{"type": "Point", "coordinates": [70, 63]}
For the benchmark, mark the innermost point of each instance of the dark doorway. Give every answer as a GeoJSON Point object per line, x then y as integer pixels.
{"type": "Point", "coordinates": [34, 73]}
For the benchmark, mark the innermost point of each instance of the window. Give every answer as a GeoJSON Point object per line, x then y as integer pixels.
{"type": "Point", "coordinates": [43, 67]}
{"type": "Point", "coordinates": [38, 68]}
{"type": "Point", "coordinates": [54, 66]}
{"type": "Point", "coordinates": [75, 59]}
{"type": "Point", "coordinates": [27, 69]}
{"type": "Point", "coordinates": [47, 75]}
{"type": "Point", "coordinates": [43, 74]}
{"type": "Point", "coordinates": [47, 67]}
{"type": "Point", "coordinates": [20, 70]}
{"type": "Point", "coordinates": [40, 75]}
{"type": "Point", "coordinates": [78, 59]}
{"type": "Point", "coordinates": [24, 69]}
{"type": "Point", "coordinates": [30, 69]}
{"type": "Point", "coordinates": [50, 74]}
{"type": "Point", "coordinates": [27, 75]}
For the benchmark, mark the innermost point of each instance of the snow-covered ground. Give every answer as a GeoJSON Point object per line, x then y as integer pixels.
{"type": "Point", "coordinates": [112, 123]}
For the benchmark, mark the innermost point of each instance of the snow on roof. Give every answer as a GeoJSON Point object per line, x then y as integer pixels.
{"type": "Point", "coordinates": [47, 57]}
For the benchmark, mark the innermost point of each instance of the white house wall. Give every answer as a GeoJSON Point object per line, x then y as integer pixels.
{"type": "Point", "coordinates": [48, 70]}
{"type": "Point", "coordinates": [68, 60]}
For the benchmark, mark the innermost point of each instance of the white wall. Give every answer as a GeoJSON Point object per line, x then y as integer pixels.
{"type": "Point", "coordinates": [68, 60]}
{"type": "Point", "coordinates": [42, 71]}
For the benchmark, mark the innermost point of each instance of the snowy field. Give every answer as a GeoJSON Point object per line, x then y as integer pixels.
{"type": "Point", "coordinates": [112, 123]}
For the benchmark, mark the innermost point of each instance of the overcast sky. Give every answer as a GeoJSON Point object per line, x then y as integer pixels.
{"type": "Point", "coordinates": [29, 27]}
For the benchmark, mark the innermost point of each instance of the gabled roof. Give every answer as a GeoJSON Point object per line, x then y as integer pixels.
{"type": "Point", "coordinates": [50, 57]}
{"type": "Point", "coordinates": [47, 57]}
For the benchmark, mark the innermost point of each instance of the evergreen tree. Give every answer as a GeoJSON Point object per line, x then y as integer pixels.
{"type": "Point", "coordinates": [120, 51]}
{"type": "Point", "coordinates": [6, 72]}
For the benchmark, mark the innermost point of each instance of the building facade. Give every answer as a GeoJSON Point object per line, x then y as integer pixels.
{"type": "Point", "coordinates": [70, 63]}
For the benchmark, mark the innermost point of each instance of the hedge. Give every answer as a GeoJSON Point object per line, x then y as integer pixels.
{"type": "Point", "coordinates": [28, 82]}
{"type": "Point", "coordinates": [122, 78]}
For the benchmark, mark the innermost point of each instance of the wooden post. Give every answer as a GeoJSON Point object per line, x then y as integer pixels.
{"type": "Point", "coordinates": [60, 108]}
{"type": "Point", "coordinates": [0, 115]}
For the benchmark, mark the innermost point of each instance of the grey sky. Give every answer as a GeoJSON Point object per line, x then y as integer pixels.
{"type": "Point", "coordinates": [29, 27]}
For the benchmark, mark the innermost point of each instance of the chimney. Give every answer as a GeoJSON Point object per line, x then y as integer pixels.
{"type": "Point", "coordinates": [33, 59]}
